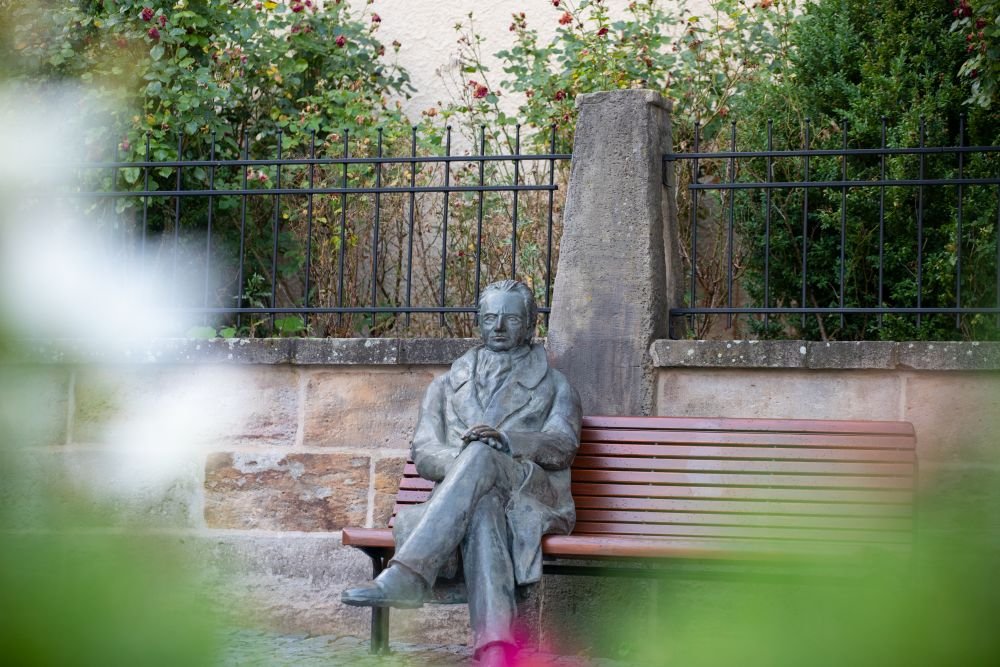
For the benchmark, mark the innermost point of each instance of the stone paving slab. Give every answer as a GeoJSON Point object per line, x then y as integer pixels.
{"type": "Point", "coordinates": [254, 648]}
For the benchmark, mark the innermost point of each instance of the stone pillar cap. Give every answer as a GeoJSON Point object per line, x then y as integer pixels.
{"type": "Point", "coordinates": [644, 94]}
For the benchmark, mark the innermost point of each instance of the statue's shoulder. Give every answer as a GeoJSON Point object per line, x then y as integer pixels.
{"type": "Point", "coordinates": [557, 380]}
{"type": "Point", "coordinates": [540, 357]}
{"type": "Point", "coordinates": [462, 368]}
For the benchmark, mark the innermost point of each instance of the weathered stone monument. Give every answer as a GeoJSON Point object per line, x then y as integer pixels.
{"type": "Point", "coordinates": [619, 264]}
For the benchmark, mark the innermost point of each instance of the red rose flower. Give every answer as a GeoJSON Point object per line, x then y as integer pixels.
{"type": "Point", "coordinates": [560, 95]}
{"type": "Point", "coordinates": [602, 32]}
{"type": "Point", "coordinates": [376, 18]}
{"type": "Point", "coordinates": [154, 34]}
{"type": "Point", "coordinates": [146, 14]}
{"type": "Point", "coordinates": [565, 18]}
{"type": "Point", "coordinates": [481, 92]}
{"type": "Point", "coordinates": [163, 21]}
{"type": "Point", "coordinates": [340, 41]}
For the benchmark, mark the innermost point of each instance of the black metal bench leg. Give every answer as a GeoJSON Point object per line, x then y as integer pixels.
{"type": "Point", "coordinates": [380, 615]}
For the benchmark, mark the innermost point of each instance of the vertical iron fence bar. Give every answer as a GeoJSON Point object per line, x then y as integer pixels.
{"type": "Point", "coordinates": [114, 188]}
{"type": "Point", "coordinates": [843, 223]}
{"type": "Point", "coordinates": [479, 211]}
{"type": "Point", "coordinates": [998, 255]}
{"type": "Point", "coordinates": [805, 220]}
{"type": "Point", "coordinates": [343, 230]}
{"type": "Point", "coordinates": [375, 230]}
{"type": "Point", "coordinates": [444, 220]}
{"type": "Point", "coordinates": [548, 252]}
{"type": "Point", "coordinates": [517, 178]}
{"type": "Point", "coordinates": [958, 222]}
{"type": "Point", "coordinates": [732, 224]}
{"type": "Point", "coordinates": [274, 245]}
{"type": "Point", "coordinates": [309, 226]}
{"type": "Point", "coordinates": [116, 153]}
{"type": "Point", "coordinates": [694, 221]}
{"type": "Point", "coordinates": [208, 228]}
{"type": "Point", "coordinates": [409, 237]}
{"type": "Point", "coordinates": [920, 224]}
{"type": "Point", "coordinates": [243, 232]}
{"type": "Point", "coordinates": [145, 204]}
{"type": "Point", "coordinates": [768, 177]}
{"type": "Point", "coordinates": [177, 218]}
{"type": "Point", "coordinates": [881, 226]}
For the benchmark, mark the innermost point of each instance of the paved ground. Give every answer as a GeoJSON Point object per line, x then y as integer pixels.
{"type": "Point", "coordinates": [258, 648]}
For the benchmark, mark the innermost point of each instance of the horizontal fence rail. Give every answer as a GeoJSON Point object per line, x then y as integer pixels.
{"type": "Point", "coordinates": [844, 242]}
{"type": "Point", "coordinates": [355, 236]}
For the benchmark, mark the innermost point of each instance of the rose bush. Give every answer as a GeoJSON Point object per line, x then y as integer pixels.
{"type": "Point", "coordinates": [243, 69]}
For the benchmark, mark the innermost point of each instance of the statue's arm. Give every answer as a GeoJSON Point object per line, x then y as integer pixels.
{"type": "Point", "coordinates": [430, 450]}
{"type": "Point", "coordinates": [554, 447]}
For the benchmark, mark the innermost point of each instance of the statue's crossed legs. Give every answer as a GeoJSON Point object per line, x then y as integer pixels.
{"type": "Point", "coordinates": [468, 511]}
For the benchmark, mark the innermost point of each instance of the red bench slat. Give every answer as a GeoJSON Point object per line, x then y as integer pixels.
{"type": "Point", "coordinates": [740, 480]}
{"type": "Point", "coordinates": [706, 451]}
{"type": "Point", "coordinates": [739, 532]}
{"type": "Point", "coordinates": [739, 493]}
{"type": "Point", "coordinates": [747, 439]}
{"type": "Point", "coordinates": [743, 507]}
{"type": "Point", "coordinates": [750, 424]}
{"type": "Point", "coordinates": [738, 466]}
{"type": "Point", "coordinates": [761, 520]}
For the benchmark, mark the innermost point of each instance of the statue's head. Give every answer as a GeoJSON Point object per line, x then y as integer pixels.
{"type": "Point", "coordinates": [507, 315]}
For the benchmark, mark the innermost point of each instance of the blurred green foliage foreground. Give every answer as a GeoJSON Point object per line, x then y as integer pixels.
{"type": "Point", "coordinates": [72, 590]}
{"type": "Point", "coordinates": [73, 594]}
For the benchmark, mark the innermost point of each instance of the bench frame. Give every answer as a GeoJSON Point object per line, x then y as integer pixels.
{"type": "Point", "coordinates": [698, 463]}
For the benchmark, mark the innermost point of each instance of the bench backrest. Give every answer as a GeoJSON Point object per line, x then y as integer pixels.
{"type": "Point", "coordinates": [738, 479]}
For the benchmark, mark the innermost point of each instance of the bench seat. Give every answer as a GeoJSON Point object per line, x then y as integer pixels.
{"type": "Point", "coordinates": [716, 489]}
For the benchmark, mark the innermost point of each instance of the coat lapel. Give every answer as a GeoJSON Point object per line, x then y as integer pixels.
{"type": "Point", "coordinates": [516, 389]}
{"type": "Point", "coordinates": [463, 400]}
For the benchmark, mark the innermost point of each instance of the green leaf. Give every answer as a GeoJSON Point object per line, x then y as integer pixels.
{"type": "Point", "coordinates": [156, 52]}
{"type": "Point", "coordinates": [131, 175]}
{"type": "Point", "coordinates": [204, 333]}
{"type": "Point", "coordinates": [289, 326]}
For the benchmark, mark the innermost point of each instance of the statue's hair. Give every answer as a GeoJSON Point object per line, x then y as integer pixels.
{"type": "Point", "coordinates": [523, 291]}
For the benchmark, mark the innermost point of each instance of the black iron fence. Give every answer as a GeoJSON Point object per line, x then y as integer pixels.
{"type": "Point", "coordinates": [841, 242]}
{"type": "Point", "coordinates": [342, 236]}
{"type": "Point", "coordinates": [395, 234]}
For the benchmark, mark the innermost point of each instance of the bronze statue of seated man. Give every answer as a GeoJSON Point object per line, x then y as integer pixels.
{"type": "Point", "coordinates": [498, 433]}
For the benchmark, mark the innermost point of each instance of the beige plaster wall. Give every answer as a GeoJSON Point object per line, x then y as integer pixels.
{"type": "Point", "coordinates": [426, 30]}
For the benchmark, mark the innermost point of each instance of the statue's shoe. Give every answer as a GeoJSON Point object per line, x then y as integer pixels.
{"type": "Point", "coordinates": [498, 655]}
{"type": "Point", "coordinates": [395, 587]}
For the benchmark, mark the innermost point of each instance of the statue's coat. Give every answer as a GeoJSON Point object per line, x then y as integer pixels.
{"type": "Point", "coordinates": [540, 414]}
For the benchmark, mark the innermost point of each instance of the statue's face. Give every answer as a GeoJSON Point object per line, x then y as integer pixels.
{"type": "Point", "coordinates": [503, 321]}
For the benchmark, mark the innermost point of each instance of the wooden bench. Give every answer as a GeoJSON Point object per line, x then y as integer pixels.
{"type": "Point", "coordinates": [656, 490]}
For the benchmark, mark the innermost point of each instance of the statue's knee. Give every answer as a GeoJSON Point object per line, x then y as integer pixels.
{"type": "Point", "coordinates": [478, 454]}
